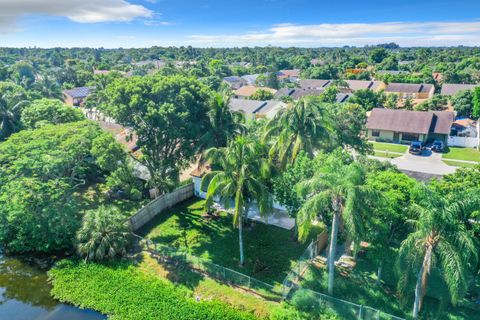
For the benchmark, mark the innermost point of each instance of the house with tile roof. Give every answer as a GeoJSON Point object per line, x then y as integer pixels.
{"type": "Point", "coordinates": [451, 89]}
{"type": "Point", "coordinates": [411, 90]}
{"type": "Point", "coordinates": [246, 92]}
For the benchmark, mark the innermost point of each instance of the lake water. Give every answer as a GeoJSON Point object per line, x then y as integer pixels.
{"type": "Point", "coordinates": [25, 295]}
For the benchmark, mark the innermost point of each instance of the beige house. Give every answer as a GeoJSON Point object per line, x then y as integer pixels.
{"type": "Point", "coordinates": [411, 90]}
{"type": "Point", "coordinates": [246, 92]}
{"type": "Point", "coordinates": [403, 126]}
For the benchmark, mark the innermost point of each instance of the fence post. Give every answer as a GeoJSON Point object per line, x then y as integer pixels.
{"type": "Point", "coordinates": [378, 314]}
{"type": "Point", "coordinates": [360, 313]}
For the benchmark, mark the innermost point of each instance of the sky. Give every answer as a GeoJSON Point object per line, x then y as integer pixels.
{"type": "Point", "coordinates": [218, 23]}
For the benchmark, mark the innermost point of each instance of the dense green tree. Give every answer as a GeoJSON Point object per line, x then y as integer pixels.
{"type": "Point", "coordinates": [438, 241]}
{"type": "Point", "coordinates": [238, 175]}
{"type": "Point", "coordinates": [48, 111]}
{"type": "Point", "coordinates": [261, 95]}
{"type": "Point", "coordinates": [377, 55]}
{"type": "Point", "coordinates": [476, 103]}
{"type": "Point", "coordinates": [462, 103]}
{"type": "Point", "coordinates": [436, 103]}
{"type": "Point", "coordinates": [342, 191]}
{"type": "Point", "coordinates": [368, 99]}
{"type": "Point", "coordinates": [104, 234]}
{"type": "Point", "coordinates": [169, 116]}
{"type": "Point", "coordinates": [303, 126]}
{"type": "Point", "coordinates": [329, 95]}
{"type": "Point", "coordinates": [12, 99]}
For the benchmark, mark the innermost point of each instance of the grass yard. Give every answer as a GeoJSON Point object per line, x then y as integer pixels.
{"type": "Point", "coordinates": [386, 154]}
{"type": "Point", "coordinates": [457, 153]}
{"type": "Point", "coordinates": [391, 147]}
{"type": "Point", "coordinates": [359, 286]}
{"type": "Point", "coordinates": [454, 163]}
{"type": "Point", "coordinates": [269, 251]}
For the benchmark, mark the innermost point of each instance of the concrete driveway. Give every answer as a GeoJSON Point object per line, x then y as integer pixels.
{"type": "Point", "coordinates": [429, 162]}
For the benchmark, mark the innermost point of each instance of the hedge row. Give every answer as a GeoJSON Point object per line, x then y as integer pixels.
{"type": "Point", "coordinates": [123, 292]}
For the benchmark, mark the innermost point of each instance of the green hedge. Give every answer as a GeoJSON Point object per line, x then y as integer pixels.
{"type": "Point", "coordinates": [123, 292]}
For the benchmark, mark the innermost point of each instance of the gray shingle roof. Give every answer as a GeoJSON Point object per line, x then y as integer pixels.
{"type": "Point", "coordinates": [355, 85]}
{"type": "Point", "coordinates": [246, 106]}
{"type": "Point", "coordinates": [80, 92]}
{"type": "Point", "coordinates": [450, 89]}
{"type": "Point", "coordinates": [410, 121]}
{"type": "Point", "coordinates": [314, 83]}
{"type": "Point", "coordinates": [409, 87]}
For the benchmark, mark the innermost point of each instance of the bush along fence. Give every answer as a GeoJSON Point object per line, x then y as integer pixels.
{"type": "Point", "coordinates": [166, 201]}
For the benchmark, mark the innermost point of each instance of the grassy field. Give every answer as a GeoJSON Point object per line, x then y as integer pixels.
{"type": "Point", "coordinates": [391, 147]}
{"type": "Point", "coordinates": [384, 154]}
{"type": "Point", "coordinates": [270, 251]}
{"type": "Point", "coordinates": [359, 286]}
{"type": "Point", "coordinates": [457, 153]}
{"type": "Point", "coordinates": [459, 164]}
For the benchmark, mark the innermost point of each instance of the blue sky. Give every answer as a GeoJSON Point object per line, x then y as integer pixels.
{"type": "Point", "coordinates": [210, 23]}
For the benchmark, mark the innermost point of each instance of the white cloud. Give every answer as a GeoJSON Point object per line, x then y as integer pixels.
{"type": "Point", "coordinates": [404, 33]}
{"type": "Point", "coordinates": [82, 11]}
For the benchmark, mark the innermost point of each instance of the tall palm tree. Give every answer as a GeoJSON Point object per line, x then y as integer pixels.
{"type": "Point", "coordinates": [440, 239]}
{"type": "Point", "coordinates": [302, 126]}
{"type": "Point", "coordinates": [104, 235]}
{"type": "Point", "coordinates": [10, 111]}
{"type": "Point", "coordinates": [343, 190]}
{"type": "Point", "coordinates": [238, 181]}
{"type": "Point", "coordinates": [49, 88]}
{"type": "Point", "coordinates": [225, 124]}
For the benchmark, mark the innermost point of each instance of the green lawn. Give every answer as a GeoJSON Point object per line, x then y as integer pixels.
{"type": "Point", "coordinates": [270, 251]}
{"type": "Point", "coordinates": [459, 164]}
{"type": "Point", "coordinates": [359, 286]}
{"type": "Point", "coordinates": [385, 154]}
{"type": "Point", "coordinates": [382, 146]}
{"type": "Point", "coordinates": [457, 153]}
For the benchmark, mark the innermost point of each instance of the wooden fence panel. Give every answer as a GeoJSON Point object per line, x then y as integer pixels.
{"type": "Point", "coordinates": [166, 201]}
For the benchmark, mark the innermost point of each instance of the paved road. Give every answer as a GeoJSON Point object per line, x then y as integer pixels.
{"type": "Point", "coordinates": [429, 162]}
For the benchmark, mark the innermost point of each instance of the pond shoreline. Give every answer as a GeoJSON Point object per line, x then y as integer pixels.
{"type": "Point", "coordinates": [25, 291]}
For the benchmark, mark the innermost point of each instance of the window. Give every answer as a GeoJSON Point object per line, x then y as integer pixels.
{"type": "Point", "coordinates": [375, 133]}
{"type": "Point", "coordinates": [410, 136]}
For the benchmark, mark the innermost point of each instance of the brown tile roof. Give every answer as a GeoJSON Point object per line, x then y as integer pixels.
{"type": "Point", "coordinates": [465, 123]}
{"type": "Point", "coordinates": [450, 89]}
{"type": "Point", "coordinates": [247, 91]}
{"type": "Point", "coordinates": [409, 87]}
{"type": "Point", "coordinates": [294, 73]}
{"type": "Point", "coordinates": [410, 121]}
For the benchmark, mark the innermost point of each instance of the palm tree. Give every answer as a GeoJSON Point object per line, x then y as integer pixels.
{"type": "Point", "coordinates": [49, 88]}
{"type": "Point", "coordinates": [104, 235]}
{"type": "Point", "coordinates": [440, 239]}
{"type": "Point", "coordinates": [10, 110]}
{"type": "Point", "coordinates": [239, 178]}
{"type": "Point", "coordinates": [302, 126]}
{"type": "Point", "coordinates": [344, 190]}
{"type": "Point", "coordinates": [225, 124]}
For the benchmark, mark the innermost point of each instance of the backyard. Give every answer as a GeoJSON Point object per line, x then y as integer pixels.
{"type": "Point", "coordinates": [358, 285]}
{"type": "Point", "coordinates": [270, 251]}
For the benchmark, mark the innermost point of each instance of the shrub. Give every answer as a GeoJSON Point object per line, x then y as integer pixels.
{"type": "Point", "coordinates": [123, 292]}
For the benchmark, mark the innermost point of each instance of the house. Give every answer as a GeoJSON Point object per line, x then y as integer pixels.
{"type": "Point", "coordinates": [464, 128]}
{"type": "Point", "coordinates": [249, 90]}
{"type": "Point", "coordinates": [355, 85]}
{"type": "Point", "coordinates": [250, 79]}
{"type": "Point", "coordinates": [411, 90]}
{"type": "Point", "coordinates": [253, 109]}
{"type": "Point", "coordinates": [299, 93]}
{"type": "Point", "coordinates": [451, 89]}
{"type": "Point", "coordinates": [403, 126]}
{"type": "Point", "coordinates": [235, 82]}
{"type": "Point", "coordinates": [289, 75]}
{"type": "Point", "coordinates": [76, 96]}
{"type": "Point", "coordinates": [314, 83]}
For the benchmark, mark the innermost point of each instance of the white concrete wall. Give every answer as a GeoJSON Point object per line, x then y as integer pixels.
{"type": "Point", "coordinates": [467, 142]}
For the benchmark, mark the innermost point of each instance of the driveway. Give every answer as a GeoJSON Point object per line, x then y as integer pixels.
{"type": "Point", "coordinates": [429, 162]}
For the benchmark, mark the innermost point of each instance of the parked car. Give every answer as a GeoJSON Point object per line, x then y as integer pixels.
{"type": "Point", "coordinates": [438, 146]}
{"type": "Point", "coordinates": [416, 147]}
